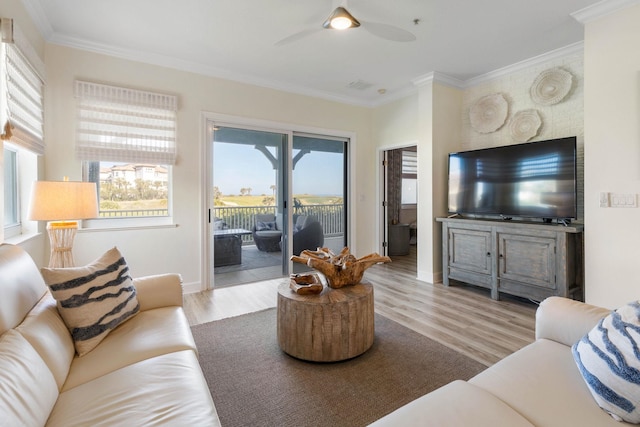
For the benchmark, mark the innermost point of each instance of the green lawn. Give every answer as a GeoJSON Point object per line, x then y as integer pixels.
{"type": "Point", "coordinates": [305, 199]}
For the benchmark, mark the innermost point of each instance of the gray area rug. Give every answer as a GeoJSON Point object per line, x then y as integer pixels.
{"type": "Point", "coordinates": [254, 383]}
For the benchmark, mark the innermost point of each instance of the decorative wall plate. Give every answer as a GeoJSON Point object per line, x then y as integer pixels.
{"type": "Point", "coordinates": [524, 125]}
{"type": "Point", "coordinates": [551, 86]}
{"type": "Point", "coordinates": [488, 113]}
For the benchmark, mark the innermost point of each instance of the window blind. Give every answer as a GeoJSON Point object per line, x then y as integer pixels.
{"type": "Point", "coordinates": [125, 125]}
{"type": "Point", "coordinates": [23, 82]}
{"type": "Point", "coordinates": [409, 163]}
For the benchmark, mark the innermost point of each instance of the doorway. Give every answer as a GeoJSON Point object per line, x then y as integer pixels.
{"type": "Point", "coordinates": [272, 194]}
{"type": "Point", "coordinates": [400, 203]}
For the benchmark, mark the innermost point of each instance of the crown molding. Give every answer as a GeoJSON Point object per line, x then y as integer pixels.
{"type": "Point", "coordinates": [572, 49]}
{"type": "Point", "coordinates": [600, 9]}
{"type": "Point", "coordinates": [437, 77]}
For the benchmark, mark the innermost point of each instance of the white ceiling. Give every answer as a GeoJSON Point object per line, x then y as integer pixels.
{"type": "Point", "coordinates": [236, 39]}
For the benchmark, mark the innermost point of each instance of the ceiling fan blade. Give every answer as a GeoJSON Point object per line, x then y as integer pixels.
{"type": "Point", "coordinates": [297, 36]}
{"type": "Point", "coordinates": [388, 32]}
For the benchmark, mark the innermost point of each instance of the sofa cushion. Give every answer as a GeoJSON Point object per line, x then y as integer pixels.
{"type": "Point", "coordinates": [542, 383]}
{"type": "Point", "coordinates": [265, 226]}
{"type": "Point", "coordinates": [93, 299]}
{"type": "Point", "coordinates": [151, 333]}
{"type": "Point", "coordinates": [22, 286]}
{"type": "Point", "coordinates": [48, 335]}
{"type": "Point", "coordinates": [566, 321]}
{"type": "Point", "coordinates": [455, 404]}
{"type": "Point", "coordinates": [28, 390]}
{"type": "Point", "coordinates": [167, 390]}
{"type": "Point", "coordinates": [608, 358]}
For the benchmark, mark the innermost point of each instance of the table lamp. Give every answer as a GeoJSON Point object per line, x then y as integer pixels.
{"type": "Point", "coordinates": [62, 203]}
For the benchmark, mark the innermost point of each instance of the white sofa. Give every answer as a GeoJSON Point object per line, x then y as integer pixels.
{"type": "Point", "coordinates": [538, 385]}
{"type": "Point", "coordinates": [144, 373]}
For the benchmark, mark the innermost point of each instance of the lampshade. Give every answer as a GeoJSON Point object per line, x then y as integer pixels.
{"type": "Point", "coordinates": [63, 200]}
{"type": "Point", "coordinates": [341, 19]}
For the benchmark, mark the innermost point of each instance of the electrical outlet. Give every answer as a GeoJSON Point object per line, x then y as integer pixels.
{"type": "Point", "coordinates": [604, 200]}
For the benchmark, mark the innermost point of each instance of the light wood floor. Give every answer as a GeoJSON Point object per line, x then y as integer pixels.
{"type": "Point", "coordinates": [461, 317]}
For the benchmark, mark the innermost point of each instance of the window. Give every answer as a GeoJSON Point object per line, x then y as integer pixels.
{"type": "Point", "coordinates": [11, 207]}
{"type": "Point", "coordinates": [21, 123]}
{"type": "Point", "coordinates": [130, 189]}
{"type": "Point", "coordinates": [409, 178]}
{"type": "Point", "coordinates": [127, 140]}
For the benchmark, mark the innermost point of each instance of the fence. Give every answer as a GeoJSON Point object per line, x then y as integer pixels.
{"type": "Point", "coordinates": [330, 216]}
{"type": "Point", "coordinates": [134, 213]}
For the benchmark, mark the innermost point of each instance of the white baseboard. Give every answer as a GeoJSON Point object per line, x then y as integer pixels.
{"type": "Point", "coordinates": [191, 288]}
{"type": "Point", "coordinates": [429, 277]}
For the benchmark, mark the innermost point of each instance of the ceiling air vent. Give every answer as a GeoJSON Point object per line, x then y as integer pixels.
{"type": "Point", "coordinates": [359, 85]}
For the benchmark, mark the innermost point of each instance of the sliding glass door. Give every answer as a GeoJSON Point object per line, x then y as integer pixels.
{"type": "Point", "coordinates": [319, 194]}
{"type": "Point", "coordinates": [273, 194]}
{"type": "Point", "coordinates": [249, 218]}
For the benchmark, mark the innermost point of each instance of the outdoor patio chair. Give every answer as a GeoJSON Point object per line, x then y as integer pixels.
{"type": "Point", "coordinates": [307, 234]}
{"type": "Point", "coordinates": [267, 232]}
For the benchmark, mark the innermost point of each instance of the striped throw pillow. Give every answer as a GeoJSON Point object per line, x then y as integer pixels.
{"type": "Point", "coordinates": [93, 299]}
{"type": "Point", "coordinates": [608, 358]}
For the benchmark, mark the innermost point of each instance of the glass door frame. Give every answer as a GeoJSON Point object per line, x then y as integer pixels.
{"type": "Point", "coordinates": [209, 121]}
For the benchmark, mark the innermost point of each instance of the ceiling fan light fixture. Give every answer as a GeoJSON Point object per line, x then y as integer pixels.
{"type": "Point", "coordinates": [341, 19]}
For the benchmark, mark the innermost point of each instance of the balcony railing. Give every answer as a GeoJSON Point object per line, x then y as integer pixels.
{"type": "Point", "coordinates": [330, 216]}
{"type": "Point", "coordinates": [126, 213]}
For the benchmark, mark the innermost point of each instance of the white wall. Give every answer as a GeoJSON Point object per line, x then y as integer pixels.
{"type": "Point", "coordinates": [178, 249]}
{"type": "Point", "coordinates": [612, 156]}
{"type": "Point", "coordinates": [447, 127]}
{"type": "Point", "coordinates": [396, 124]}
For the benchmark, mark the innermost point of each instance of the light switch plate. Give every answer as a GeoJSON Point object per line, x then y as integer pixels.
{"type": "Point", "coordinates": [623, 200]}
{"type": "Point", "coordinates": [604, 200]}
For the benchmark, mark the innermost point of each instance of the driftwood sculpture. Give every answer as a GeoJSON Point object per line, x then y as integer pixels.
{"type": "Point", "coordinates": [305, 284]}
{"type": "Point", "coordinates": [342, 269]}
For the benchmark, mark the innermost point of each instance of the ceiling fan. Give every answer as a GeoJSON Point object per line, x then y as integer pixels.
{"type": "Point", "coordinates": [340, 19]}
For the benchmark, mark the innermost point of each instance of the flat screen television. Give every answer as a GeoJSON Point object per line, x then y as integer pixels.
{"type": "Point", "coordinates": [530, 180]}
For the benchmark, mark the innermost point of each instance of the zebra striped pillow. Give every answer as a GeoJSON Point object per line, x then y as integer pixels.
{"type": "Point", "coordinates": [608, 358]}
{"type": "Point", "coordinates": [94, 299]}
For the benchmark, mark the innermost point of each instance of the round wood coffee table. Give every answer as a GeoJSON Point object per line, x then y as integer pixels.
{"type": "Point", "coordinates": [336, 324]}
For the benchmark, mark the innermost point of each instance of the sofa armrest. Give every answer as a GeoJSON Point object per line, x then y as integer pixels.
{"type": "Point", "coordinates": [161, 290]}
{"type": "Point", "coordinates": [566, 321]}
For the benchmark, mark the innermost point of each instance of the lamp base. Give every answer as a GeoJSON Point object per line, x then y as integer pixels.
{"type": "Point", "coordinates": [61, 235]}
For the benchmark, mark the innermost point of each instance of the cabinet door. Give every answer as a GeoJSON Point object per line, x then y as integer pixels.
{"type": "Point", "coordinates": [470, 250]}
{"type": "Point", "coordinates": [527, 259]}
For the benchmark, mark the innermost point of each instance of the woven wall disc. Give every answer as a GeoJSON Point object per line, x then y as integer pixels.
{"type": "Point", "coordinates": [489, 113]}
{"type": "Point", "coordinates": [551, 86]}
{"type": "Point", "coordinates": [524, 125]}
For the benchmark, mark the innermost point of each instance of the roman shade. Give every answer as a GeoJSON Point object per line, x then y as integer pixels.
{"type": "Point", "coordinates": [22, 79]}
{"type": "Point", "coordinates": [125, 125]}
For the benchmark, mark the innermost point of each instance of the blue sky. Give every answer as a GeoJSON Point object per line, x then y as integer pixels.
{"type": "Point", "coordinates": [237, 166]}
